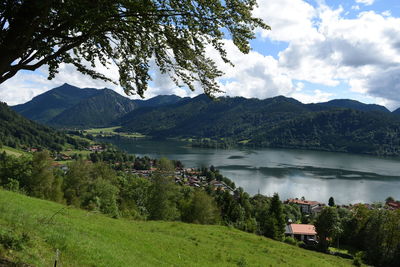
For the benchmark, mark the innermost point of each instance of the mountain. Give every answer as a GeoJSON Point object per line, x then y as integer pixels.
{"type": "Point", "coordinates": [342, 130]}
{"type": "Point", "coordinates": [46, 106]}
{"type": "Point", "coordinates": [158, 101]}
{"type": "Point", "coordinates": [203, 117]}
{"type": "Point", "coordinates": [397, 111]}
{"type": "Point", "coordinates": [353, 104]}
{"type": "Point", "coordinates": [274, 122]}
{"type": "Point", "coordinates": [19, 132]}
{"type": "Point", "coordinates": [98, 110]}
{"type": "Point", "coordinates": [70, 106]}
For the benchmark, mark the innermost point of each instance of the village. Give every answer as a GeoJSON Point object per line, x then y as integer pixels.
{"type": "Point", "coordinates": [193, 177]}
{"type": "Point", "coordinates": [189, 177]}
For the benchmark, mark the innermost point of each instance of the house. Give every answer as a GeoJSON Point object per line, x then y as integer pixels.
{"type": "Point", "coordinates": [301, 232]}
{"type": "Point", "coordinates": [218, 185]}
{"type": "Point", "coordinates": [94, 148]}
{"type": "Point", "coordinates": [306, 206]}
{"type": "Point", "coordinates": [393, 205]}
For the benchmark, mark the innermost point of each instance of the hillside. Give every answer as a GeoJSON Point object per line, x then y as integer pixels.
{"type": "Point", "coordinates": [17, 131]}
{"type": "Point", "coordinates": [273, 122]}
{"type": "Point", "coordinates": [70, 106]}
{"type": "Point", "coordinates": [203, 117]}
{"type": "Point", "coordinates": [336, 130]}
{"type": "Point", "coordinates": [88, 239]}
{"type": "Point", "coordinates": [98, 110]}
{"type": "Point", "coordinates": [158, 101]}
{"type": "Point", "coordinates": [397, 111]}
{"type": "Point", "coordinates": [46, 106]}
{"type": "Point", "coordinates": [352, 104]}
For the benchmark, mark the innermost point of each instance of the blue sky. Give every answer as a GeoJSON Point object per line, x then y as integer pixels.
{"type": "Point", "coordinates": [316, 51]}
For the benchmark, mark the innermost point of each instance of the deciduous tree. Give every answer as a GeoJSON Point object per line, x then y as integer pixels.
{"type": "Point", "coordinates": [327, 225]}
{"type": "Point", "coordinates": [174, 34]}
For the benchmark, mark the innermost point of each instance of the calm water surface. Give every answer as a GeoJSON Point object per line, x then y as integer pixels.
{"type": "Point", "coordinates": [292, 173]}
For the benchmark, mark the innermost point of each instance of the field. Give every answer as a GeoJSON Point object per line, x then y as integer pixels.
{"type": "Point", "coordinates": [91, 239]}
{"type": "Point", "coordinates": [106, 132]}
{"type": "Point", "coordinates": [12, 151]}
{"type": "Point", "coordinates": [74, 151]}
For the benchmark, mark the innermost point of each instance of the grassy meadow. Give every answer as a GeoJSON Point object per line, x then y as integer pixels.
{"type": "Point", "coordinates": [12, 151]}
{"type": "Point", "coordinates": [111, 131]}
{"type": "Point", "coordinates": [84, 238]}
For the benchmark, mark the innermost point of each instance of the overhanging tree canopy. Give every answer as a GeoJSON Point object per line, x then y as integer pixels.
{"type": "Point", "coordinates": [129, 33]}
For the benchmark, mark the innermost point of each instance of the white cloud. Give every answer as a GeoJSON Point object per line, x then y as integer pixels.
{"type": "Point", "coordinates": [365, 2]}
{"type": "Point", "coordinates": [289, 19]}
{"type": "Point", "coordinates": [25, 85]}
{"type": "Point", "coordinates": [324, 47]}
{"type": "Point", "coordinates": [317, 96]}
{"type": "Point", "coordinates": [253, 75]}
{"type": "Point", "coordinates": [347, 50]}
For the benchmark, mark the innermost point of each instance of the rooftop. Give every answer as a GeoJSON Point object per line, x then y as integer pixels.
{"type": "Point", "coordinates": [302, 202]}
{"type": "Point", "coordinates": [301, 229]}
{"type": "Point", "coordinates": [393, 204]}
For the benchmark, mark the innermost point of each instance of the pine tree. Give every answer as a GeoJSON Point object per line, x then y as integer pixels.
{"type": "Point", "coordinates": [275, 225]}
{"type": "Point", "coordinates": [331, 202]}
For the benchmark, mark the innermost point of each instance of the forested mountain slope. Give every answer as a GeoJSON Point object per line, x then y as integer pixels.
{"type": "Point", "coordinates": [46, 106]}
{"type": "Point", "coordinates": [19, 132]}
{"type": "Point", "coordinates": [98, 110]}
{"type": "Point", "coordinates": [352, 104]}
{"type": "Point", "coordinates": [274, 122]}
{"type": "Point", "coordinates": [69, 106]}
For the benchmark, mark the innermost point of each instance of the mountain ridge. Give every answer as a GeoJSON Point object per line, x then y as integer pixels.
{"type": "Point", "coordinates": [274, 122]}
{"type": "Point", "coordinates": [71, 106]}
{"type": "Point", "coordinates": [98, 110]}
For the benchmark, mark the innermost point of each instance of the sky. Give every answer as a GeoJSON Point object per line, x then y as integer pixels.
{"type": "Point", "coordinates": [316, 51]}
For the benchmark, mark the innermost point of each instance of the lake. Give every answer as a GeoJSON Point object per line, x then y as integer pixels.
{"type": "Point", "coordinates": [315, 175]}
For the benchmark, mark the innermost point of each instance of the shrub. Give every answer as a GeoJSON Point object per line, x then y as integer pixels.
{"type": "Point", "coordinates": [11, 240]}
{"type": "Point", "coordinates": [290, 240]}
{"type": "Point", "coordinates": [12, 185]}
{"type": "Point", "coordinates": [357, 261]}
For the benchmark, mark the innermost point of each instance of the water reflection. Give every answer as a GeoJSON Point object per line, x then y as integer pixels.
{"type": "Point", "coordinates": [292, 173]}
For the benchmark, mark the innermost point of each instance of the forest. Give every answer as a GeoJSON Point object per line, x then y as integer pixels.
{"type": "Point", "coordinates": [19, 132]}
{"type": "Point", "coordinates": [275, 122]}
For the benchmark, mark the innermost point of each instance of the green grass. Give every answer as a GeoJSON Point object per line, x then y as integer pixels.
{"type": "Point", "coordinates": [110, 131]}
{"type": "Point", "coordinates": [70, 152]}
{"type": "Point", "coordinates": [12, 151]}
{"type": "Point", "coordinates": [90, 239]}
{"type": "Point", "coordinates": [75, 151]}
{"type": "Point", "coordinates": [81, 138]}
